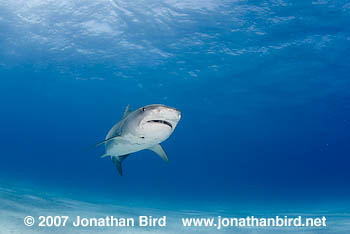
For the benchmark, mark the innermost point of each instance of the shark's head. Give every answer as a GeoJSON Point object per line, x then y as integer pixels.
{"type": "Point", "coordinates": [156, 122]}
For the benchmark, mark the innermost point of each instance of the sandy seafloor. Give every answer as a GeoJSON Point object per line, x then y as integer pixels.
{"type": "Point", "coordinates": [18, 202]}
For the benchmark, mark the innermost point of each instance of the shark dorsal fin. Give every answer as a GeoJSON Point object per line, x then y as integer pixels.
{"type": "Point", "coordinates": [159, 150]}
{"type": "Point", "coordinates": [127, 111]}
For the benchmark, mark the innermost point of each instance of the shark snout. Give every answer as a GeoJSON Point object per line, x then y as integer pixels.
{"type": "Point", "coordinates": [161, 114]}
{"type": "Point", "coordinates": [178, 115]}
{"type": "Point", "coordinates": [172, 113]}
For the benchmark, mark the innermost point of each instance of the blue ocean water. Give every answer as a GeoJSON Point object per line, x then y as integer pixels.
{"type": "Point", "coordinates": [263, 87]}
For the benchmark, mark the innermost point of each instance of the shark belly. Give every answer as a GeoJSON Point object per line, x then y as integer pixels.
{"type": "Point", "coordinates": [127, 145]}
{"type": "Point", "coordinates": [119, 149]}
{"type": "Point", "coordinates": [124, 147]}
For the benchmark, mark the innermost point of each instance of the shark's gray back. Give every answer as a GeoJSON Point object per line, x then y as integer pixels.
{"type": "Point", "coordinates": [116, 130]}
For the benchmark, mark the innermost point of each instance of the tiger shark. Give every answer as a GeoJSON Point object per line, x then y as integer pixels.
{"type": "Point", "coordinates": [144, 128]}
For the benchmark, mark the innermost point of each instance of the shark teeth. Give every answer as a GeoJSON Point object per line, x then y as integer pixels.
{"type": "Point", "coordinates": [160, 121]}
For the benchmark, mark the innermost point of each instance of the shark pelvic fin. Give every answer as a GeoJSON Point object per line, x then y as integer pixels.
{"type": "Point", "coordinates": [118, 162]}
{"type": "Point", "coordinates": [159, 150]}
{"type": "Point", "coordinates": [127, 111]}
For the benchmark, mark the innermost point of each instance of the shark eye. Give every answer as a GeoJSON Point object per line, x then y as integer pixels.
{"type": "Point", "coordinates": [143, 109]}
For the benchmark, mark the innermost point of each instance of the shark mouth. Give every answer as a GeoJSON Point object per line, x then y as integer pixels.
{"type": "Point", "coordinates": [160, 121]}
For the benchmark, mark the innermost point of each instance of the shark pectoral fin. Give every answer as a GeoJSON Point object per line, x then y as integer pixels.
{"type": "Point", "coordinates": [105, 141]}
{"type": "Point", "coordinates": [118, 162]}
{"type": "Point", "coordinates": [103, 156]}
{"type": "Point", "coordinates": [127, 111]}
{"type": "Point", "coordinates": [159, 150]}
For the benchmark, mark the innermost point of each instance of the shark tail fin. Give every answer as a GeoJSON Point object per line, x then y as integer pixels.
{"type": "Point", "coordinates": [118, 162]}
